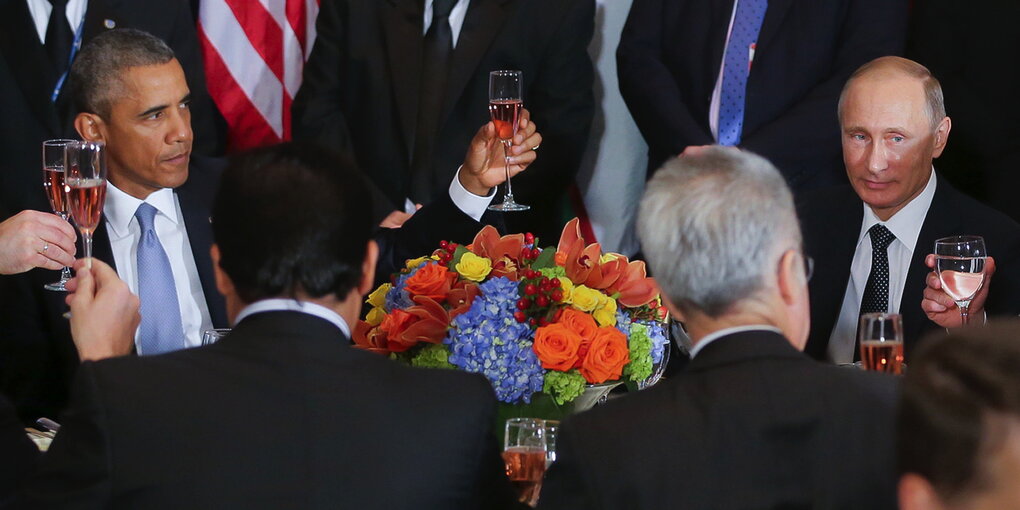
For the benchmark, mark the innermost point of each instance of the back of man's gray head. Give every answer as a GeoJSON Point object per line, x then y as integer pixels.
{"type": "Point", "coordinates": [713, 225]}
{"type": "Point", "coordinates": [95, 74]}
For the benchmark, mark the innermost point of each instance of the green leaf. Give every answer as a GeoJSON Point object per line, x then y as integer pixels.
{"type": "Point", "coordinates": [546, 259]}
{"type": "Point", "coordinates": [457, 254]}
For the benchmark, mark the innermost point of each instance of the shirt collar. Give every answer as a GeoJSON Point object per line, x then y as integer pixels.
{"type": "Point", "coordinates": [906, 223]}
{"type": "Point", "coordinates": [120, 207]}
{"type": "Point", "coordinates": [293, 305]}
{"type": "Point", "coordinates": [715, 335]}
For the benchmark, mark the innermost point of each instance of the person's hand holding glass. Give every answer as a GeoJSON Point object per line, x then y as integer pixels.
{"type": "Point", "coordinates": [962, 270]}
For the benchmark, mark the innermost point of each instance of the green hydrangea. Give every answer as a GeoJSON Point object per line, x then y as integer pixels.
{"type": "Point", "coordinates": [553, 272]}
{"type": "Point", "coordinates": [640, 366]}
{"type": "Point", "coordinates": [563, 387]}
{"type": "Point", "coordinates": [432, 356]}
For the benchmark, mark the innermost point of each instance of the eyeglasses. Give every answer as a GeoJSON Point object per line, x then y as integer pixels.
{"type": "Point", "coordinates": [809, 266]}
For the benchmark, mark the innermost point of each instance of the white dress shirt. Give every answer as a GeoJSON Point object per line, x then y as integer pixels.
{"type": "Point", "coordinates": [457, 15]}
{"type": "Point", "coordinates": [40, 11]}
{"type": "Point", "coordinates": [169, 224]}
{"type": "Point", "coordinates": [293, 305]}
{"type": "Point", "coordinates": [713, 109]}
{"type": "Point", "coordinates": [906, 226]}
{"type": "Point", "coordinates": [715, 335]}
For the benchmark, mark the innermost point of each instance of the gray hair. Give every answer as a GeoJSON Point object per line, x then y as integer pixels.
{"type": "Point", "coordinates": [935, 103]}
{"type": "Point", "coordinates": [95, 74]}
{"type": "Point", "coordinates": [713, 225]}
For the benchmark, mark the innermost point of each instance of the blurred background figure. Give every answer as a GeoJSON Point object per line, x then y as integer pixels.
{"type": "Point", "coordinates": [762, 75]}
{"type": "Point", "coordinates": [971, 47]}
{"type": "Point", "coordinates": [404, 84]}
{"type": "Point", "coordinates": [959, 422]}
{"type": "Point", "coordinates": [39, 39]}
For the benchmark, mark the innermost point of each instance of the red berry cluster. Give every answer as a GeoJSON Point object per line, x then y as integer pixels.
{"type": "Point", "coordinates": [540, 293]}
{"type": "Point", "coordinates": [448, 249]}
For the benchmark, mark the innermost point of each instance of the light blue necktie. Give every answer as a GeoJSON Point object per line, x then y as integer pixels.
{"type": "Point", "coordinates": [736, 67]}
{"type": "Point", "coordinates": [161, 329]}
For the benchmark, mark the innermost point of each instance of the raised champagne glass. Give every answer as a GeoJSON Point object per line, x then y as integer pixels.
{"type": "Point", "coordinates": [960, 264]}
{"type": "Point", "coordinates": [505, 103]}
{"type": "Point", "coordinates": [881, 338]}
{"type": "Point", "coordinates": [54, 161]}
{"type": "Point", "coordinates": [524, 452]}
{"type": "Point", "coordinates": [86, 184]}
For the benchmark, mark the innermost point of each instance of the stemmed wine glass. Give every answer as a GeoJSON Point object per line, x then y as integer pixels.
{"type": "Point", "coordinates": [54, 162]}
{"type": "Point", "coordinates": [524, 452]}
{"type": "Point", "coordinates": [86, 184]}
{"type": "Point", "coordinates": [960, 264]}
{"type": "Point", "coordinates": [505, 105]}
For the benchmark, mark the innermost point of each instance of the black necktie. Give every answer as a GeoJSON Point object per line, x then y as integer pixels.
{"type": "Point", "coordinates": [876, 291]}
{"type": "Point", "coordinates": [434, 70]}
{"type": "Point", "coordinates": [59, 36]}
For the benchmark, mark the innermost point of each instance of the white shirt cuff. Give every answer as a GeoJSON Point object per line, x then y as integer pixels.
{"type": "Point", "coordinates": [469, 203]}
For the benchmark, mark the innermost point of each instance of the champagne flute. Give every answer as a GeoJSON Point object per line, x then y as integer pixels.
{"type": "Point", "coordinates": [524, 450]}
{"type": "Point", "coordinates": [505, 109]}
{"type": "Point", "coordinates": [960, 264]}
{"type": "Point", "coordinates": [881, 337]}
{"type": "Point", "coordinates": [53, 159]}
{"type": "Point", "coordinates": [86, 183]}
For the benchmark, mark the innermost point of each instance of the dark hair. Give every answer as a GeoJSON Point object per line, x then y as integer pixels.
{"type": "Point", "coordinates": [292, 217]}
{"type": "Point", "coordinates": [95, 74]}
{"type": "Point", "coordinates": [960, 392]}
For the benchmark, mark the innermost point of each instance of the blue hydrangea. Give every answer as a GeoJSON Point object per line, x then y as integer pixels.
{"type": "Point", "coordinates": [397, 298]}
{"type": "Point", "coordinates": [657, 332]}
{"type": "Point", "coordinates": [488, 340]}
{"type": "Point", "coordinates": [623, 322]}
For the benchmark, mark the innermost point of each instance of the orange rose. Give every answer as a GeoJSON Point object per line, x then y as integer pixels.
{"type": "Point", "coordinates": [394, 325]}
{"type": "Point", "coordinates": [432, 281]}
{"type": "Point", "coordinates": [556, 347]}
{"type": "Point", "coordinates": [579, 322]}
{"type": "Point", "coordinates": [606, 356]}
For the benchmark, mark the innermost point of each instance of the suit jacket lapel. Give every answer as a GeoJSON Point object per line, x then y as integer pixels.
{"type": "Point", "coordinates": [774, 17]}
{"type": "Point", "coordinates": [29, 63]}
{"type": "Point", "coordinates": [98, 13]}
{"type": "Point", "coordinates": [197, 223]}
{"type": "Point", "coordinates": [481, 25]}
{"type": "Point", "coordinates": [939, 220]}
{"type": "Point", "coordinates": [101, 248]}
{"type": "Point", "coordinates": [402, 24]}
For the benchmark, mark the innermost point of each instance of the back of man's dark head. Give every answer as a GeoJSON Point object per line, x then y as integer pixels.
{"type": "Point", "coordinates": [961, 396]}
{"type": "Point", "coordinates": [95, 74]}
{"type": "Point", "coordinates": [292, 218]}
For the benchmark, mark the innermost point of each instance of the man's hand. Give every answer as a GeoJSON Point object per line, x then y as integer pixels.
{"type": "Point", "coordinates": [941, 308]}
{"type": "Point", "coordinates": [694, 150]}
{"type": "Point", "coordinates": [484, 165]}
{"type": "Point", "coordinates": [32, 239]}
{"type": "Point", "coordinates": [104, 313]}
{"type": "Point", "coordinates": [397, 218]}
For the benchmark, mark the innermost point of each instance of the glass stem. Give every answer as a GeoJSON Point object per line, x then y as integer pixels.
{"type": "Point", "coordinates": [65, 273]}
{"type": "Point", "coordinates": [87, 242]}
{"type": "Point", "coordinates": [965, 313]}
{"type": "Point", "coordinates": [506, 159]}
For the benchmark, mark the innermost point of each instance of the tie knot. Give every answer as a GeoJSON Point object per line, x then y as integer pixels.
{"type": "Point", "coordinates": [441, 9]}
{"type": "Point", "coordinates": [58, 4]}
{"type": "Point", "coordinates": [146, 215]}
{"type": "Point", "coordinates": [881, 237]}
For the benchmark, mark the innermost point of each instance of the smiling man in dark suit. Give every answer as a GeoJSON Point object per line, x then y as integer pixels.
{"type": "Point", "coordinates": [751, 422]}
{"type": "Point", "coordinates": [894, 125]}
{"type": "Point", "coordinates": [761, 75]}
{"type": "Point", "coordinates": [35, 51]}
{"type": "Point", "coordinates": [404, 84]}
{"type": "Point", "coordinates": [282, 411]}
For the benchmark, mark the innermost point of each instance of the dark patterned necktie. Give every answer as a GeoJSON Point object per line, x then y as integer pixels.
{"type": "Point", "coordinates": [876, 291]}
{"type": "Point", "coordinates": [434, 71]}
{"type": "Point", "coordinates": [59, 37]}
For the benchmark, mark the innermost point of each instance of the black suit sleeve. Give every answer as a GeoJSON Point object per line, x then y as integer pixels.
{"type": "Point", "coordinates": [864, 37]}
{"type": "Point", "coordinates": [648, 87]}
{"type": "Point", "coordinates": [565, 486]}
{"type": "Point", "coordinates": [17, 451]}
{"type": "Point", "coordinates": [75, 472]}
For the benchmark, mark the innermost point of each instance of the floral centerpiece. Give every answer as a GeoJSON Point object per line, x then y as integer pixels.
{"type": "Point", "coordinates": [540, 324]}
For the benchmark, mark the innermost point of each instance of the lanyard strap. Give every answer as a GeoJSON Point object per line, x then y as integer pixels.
{"type": "Point", "coordinates": [70, 58]}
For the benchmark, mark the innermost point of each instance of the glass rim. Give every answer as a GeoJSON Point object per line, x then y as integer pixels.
{"type": "Point", "coordinates": [505, 72]}
{"type": "Point", "coordinates": [57, 142]}
{"type": "Point", "coordinates": [959, 239]}
{"type": "Point", "coordinates": [881, 315]}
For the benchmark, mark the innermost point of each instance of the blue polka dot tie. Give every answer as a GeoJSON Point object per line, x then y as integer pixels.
{"type": "Point", "coordinates": [876, 291]}
{"type": "Point", "coordinates": [736, 66]}
{"type": "Point", "coordinates": [161, 329]}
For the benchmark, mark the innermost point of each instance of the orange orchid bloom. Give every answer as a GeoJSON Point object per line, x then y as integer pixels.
{"type": "Point", "coordinates": [577, 259]}
{"type": "Point", "coordinates": [635, 287]}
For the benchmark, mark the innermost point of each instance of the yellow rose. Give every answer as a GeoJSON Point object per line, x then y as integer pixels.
{"type": "Point", "coordinates": [608, 257]}
{"type": "Point", "coordinates": [413, 263]}
{"type": "Point", "coordinates": [375, 316]}
{"type": "Point", "coordinates": [378, 297]}
{"type": "Point", "coordinates": [473, 267]}
{"type": "Point", "coordinates": [605, 315]}
{"type": "Point", "coordinates": [586, 299]}
{"type": "Point", "coordinates": [568, 288]}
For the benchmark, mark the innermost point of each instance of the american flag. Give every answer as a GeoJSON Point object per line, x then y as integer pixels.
{"type": "Point", "coordinates": [254, 52]}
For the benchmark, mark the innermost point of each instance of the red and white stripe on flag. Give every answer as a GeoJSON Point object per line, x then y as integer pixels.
{"type": "Point", "coordinates": [254, 52]}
